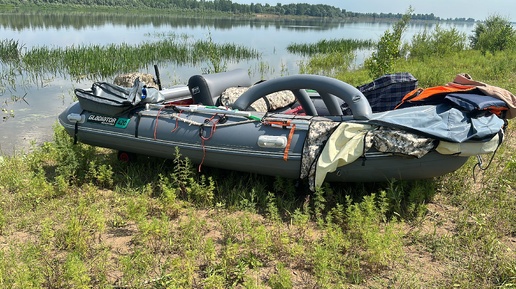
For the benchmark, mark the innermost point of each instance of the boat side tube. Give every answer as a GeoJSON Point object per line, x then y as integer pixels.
{"type": "Point", "coordinates": [326, 86]}
{"type": "Point", "coordinates": [177, 92]}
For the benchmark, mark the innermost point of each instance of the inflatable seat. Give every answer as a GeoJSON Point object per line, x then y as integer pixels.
{"type": "Point", "coordinates": [207, 88]}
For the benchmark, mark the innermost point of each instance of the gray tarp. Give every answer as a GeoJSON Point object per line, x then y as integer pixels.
{"type": "Point", "coordinates": [441, 122]}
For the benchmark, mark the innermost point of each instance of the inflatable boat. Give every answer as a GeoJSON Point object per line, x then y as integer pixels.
{"type": "Point", "coordinates": [322, 129]}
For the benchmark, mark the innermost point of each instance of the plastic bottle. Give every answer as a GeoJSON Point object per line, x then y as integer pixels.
{"type": "Point", "coordinates": [144, 92]}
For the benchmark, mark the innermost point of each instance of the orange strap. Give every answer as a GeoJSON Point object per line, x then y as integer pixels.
{"type": "Point", "coordinates": [420, 94]}
{"type": "Point", "coordinates": [283, 123]}
{"type": "Point", "coordinates": [289, 141]}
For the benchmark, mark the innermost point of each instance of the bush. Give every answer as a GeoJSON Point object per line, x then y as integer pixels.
{"type": "Point", "coordinates": [438, 42]}
{"type": "Point", "coordinates": [493, 35]}
{"type": "Point", "coordinates": [388, 49]}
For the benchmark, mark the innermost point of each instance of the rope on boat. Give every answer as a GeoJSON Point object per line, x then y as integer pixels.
{"type": "Point", "coordinates": [177, 116]}
{"type": "Point", "coordinates": [156, 125]}
{"type": "Point", "coordinates": [177, 122]}
{"type": "Point", "coordinates": [203, 138]}
{"type": "Point", "coordinates": [215, 111]}
{"type": "Point", "coordinates": [480, 162]}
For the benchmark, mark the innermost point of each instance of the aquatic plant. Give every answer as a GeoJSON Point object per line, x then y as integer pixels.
{"type": "Point", "coordinates": [10, 50]}
{"type": "Point", "coordinates": [217, 55]}
{"type": "Point", "coordinates": [328, 57]}
{"type": "Point", "coordinates": [329, 46]}
{"type": "Point", "coordinates": [329, 64]}
{"type": "Point", "coordinates": [96, 61]}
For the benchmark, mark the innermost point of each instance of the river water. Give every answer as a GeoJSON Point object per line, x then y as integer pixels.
{"type": "Point", "coordinates": [36, 104]}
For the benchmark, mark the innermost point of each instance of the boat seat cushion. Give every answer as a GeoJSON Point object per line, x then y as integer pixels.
{"type": "Point", "coordinates": [206, 88]}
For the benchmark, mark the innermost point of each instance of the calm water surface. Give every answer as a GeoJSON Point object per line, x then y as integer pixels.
{"type": "Point", "coordinates": [45, 99]}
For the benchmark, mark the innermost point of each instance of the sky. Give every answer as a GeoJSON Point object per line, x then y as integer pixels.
{"type": "Point", "coordinates": [477, 9]}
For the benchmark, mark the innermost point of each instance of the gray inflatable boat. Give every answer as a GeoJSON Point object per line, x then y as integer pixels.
{"type": "Point", "coordinates": [306, 135]}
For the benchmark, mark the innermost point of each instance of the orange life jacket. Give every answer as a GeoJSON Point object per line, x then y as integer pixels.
{"type": "Point", "coordinates": [432, 94]}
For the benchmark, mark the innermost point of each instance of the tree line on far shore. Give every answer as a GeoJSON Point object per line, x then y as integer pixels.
{"type": "Point", "coordinates": [293, 9]}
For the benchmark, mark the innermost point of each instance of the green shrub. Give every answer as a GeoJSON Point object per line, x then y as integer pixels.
{"type": "Point", "coordinates": [407, 199]}
{"type": "Point", "coordinates": [281, 278]}
{"type": "Point", "coordinates": [438, 42]}
{"type": "Point", "coordinates": [388, 49]}
{"type": "Point", "coordinates": [381, 241]}
{"type": "Point", "coordinates": [198, 189]}
{"type": "Point", "coordinates": [495, 34]}
{"type": "Point", "coordinates": [76, 272]}
{"type": "Point", "coordinates": [100, 174]}
{"type": "Point", "coordinates": [72, 160]}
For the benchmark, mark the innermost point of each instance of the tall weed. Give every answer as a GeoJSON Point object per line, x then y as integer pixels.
{"type": "Point", "coordinates": [438, 42]}
{"type": "Point", "coordinates": [281, 279]}
{"type": "Point", "coordinates": [338, 46]}
{"type": "Point", "coordinates": [493, 35]}
{"type": "Point", "coordinates": [408, 199]}
{"type": "Point", "coordinates": [10, 50]}
{"type": "Point", "coordinates": [388, 49]}
{"type": "Point", "coordinates": [198, 189]}
{"type": "Point", "coordinates": [368, 226]}
{"type": "Point", "coordinates": [72, 160]}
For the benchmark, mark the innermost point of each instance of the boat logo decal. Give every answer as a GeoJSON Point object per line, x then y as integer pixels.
{"type": "Point", "coordinates": [120, 122]}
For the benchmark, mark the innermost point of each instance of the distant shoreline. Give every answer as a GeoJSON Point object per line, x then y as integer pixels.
{"type": "Point", "coordinates": [351, 16]}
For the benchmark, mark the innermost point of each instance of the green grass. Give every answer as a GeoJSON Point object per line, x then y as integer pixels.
{"type": "Point", "coordinates": [73, 216]}
{"type": "Point", "coordinates": [498, 69]}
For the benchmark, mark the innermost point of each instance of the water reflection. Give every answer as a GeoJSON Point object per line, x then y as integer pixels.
{"type": "Point", "coordinates": [81, 20]}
